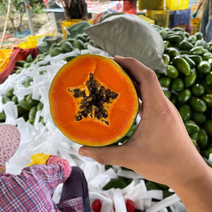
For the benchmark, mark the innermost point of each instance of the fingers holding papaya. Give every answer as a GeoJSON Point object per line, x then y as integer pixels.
{"type": "Point", "coordinates": [146, 79]}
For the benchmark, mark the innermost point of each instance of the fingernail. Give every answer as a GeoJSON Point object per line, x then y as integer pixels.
{"type": "Point", "coordinates": [84, 153]}
{"type": "Point", "coordinates": [118, 57]}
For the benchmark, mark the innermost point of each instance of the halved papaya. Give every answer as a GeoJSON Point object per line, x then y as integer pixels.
{"type": "Point", "coordinates": [93, 101]}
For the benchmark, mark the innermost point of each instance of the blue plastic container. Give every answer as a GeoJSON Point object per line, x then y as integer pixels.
{"type": "Point", "coordinates": [179, 17]}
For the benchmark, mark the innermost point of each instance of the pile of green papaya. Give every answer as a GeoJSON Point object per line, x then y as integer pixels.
{"type": "Point", "coordinates": [27, 107]}
{"type": "Point", "coordinates": [21, 64]}
{"type": "Point", "coordinates": [188, 85]}
{"type": "Point", "coordinates": [68, 45]}
{"type": "Point", "coordinates": [188, 82]}
{"type": "Point", "coordinates": [80, 42]}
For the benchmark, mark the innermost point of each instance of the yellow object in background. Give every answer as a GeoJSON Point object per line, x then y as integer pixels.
{"type": "Point", "coordinates": [177, 4]}
{"type": "Point", "coordinates": [195, 28]}
{"type": "Point", "coordinates": [4, 58]}
{"type": "Point", "coordinates": [148, 20]}
{"type": "Point", "coordinates": [28, 44]}
{"type": "Point", "coordinates": [161, 17]}
{"type": "Point", "coordinates": [31, 41]}
{"type": "Point", "coordinates": [151, 4]}
{"type": "Point", "coordinates": [35, 38]}
{"type": "Point", "coordinates": [66, 24]}
{"type": "Point", "coordinates": [39, 158]}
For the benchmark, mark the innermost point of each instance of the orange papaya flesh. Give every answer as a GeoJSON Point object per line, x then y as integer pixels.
{"type": "Point", "coordinates": [93, 101]}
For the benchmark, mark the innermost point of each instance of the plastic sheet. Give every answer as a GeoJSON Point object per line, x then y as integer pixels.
{"type": "Point", "coordinates": [119, 202]}
{"type": "Point", "coordinates": [164, 203]}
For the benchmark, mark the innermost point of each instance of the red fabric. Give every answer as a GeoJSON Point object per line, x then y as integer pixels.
{"type": "Point", "coordinates": [17, 54]}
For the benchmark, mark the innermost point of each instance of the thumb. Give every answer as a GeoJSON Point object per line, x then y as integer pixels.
{"type": "Point", "coordinates": [116, 155]}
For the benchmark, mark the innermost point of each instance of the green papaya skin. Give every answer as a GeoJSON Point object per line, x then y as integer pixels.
{"type": "Point", "coordinates": [204, 67]}
{"type": "Point", "coordinates": [184, 96]}
{"type": "Point", "coordinates": [182, 65]}
{"type": "Point", "coordinates": [5, 99]}
{"type": "Point", "coordinates": [25, 105]}
{"type": "Point", "coordinates": [198, 50]}
{"type": "Point", "coordinates": [189, 61]}
{"type": "Point", "coordinates": [208, 78]}
{"type": "Point", "coordinates": [166, 59]}
{"type": "Point", "coordinates": [116, 183]}
{"type": "Point", "coordinates": [198, 89]}
{"type": "Point", "coordinates": [194, 136]}
{"type": "Point", "coordinates": [202, 139]}
{"type": "Point", "coordinates": [206, 56]}
{"type": "Point", "coordinates": [174, 39]}
{"type": "Point", "coordinates": [9, 92]}
{"type": "Point", "coordinates": [190, 79]}
{"type": "Point", "coordinates": [208, 99]}
{"type": "Point", "coordinates": [32, 112]}
{"type": "Point", "coordinates": [191, 127]}
{"type": "Point", "coordinates": [172, 52]}
{"type": "Point", "coordinates": [208, 127]}
{"type": "Point", "coordinates": [39, 106]}
{"type": "Point", "coordinates": [185, 45]}
{"type": "Point", "coordinates": [167, 94]}
{"type": "Point", "coordinates": [177, 85]}
{"type": "Point", "coordinates": [196, 58]}
{"type": "Point", "coordinates": [185, 112]}
{"type": "Point", "coordinates": [172, 72]}
{"type": "Point", "coordinates": [165, 82]}
{"type": "Point", "coordinates": [29, 58]}
{"type": "Point", "coordinates": [199, 118]}
{"type": "Point", "coordinates": [2, 116]}
{"type": "Point", "coordinates": [198, 104]}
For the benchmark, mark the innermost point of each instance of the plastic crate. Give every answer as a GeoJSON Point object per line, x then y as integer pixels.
{"type": "Point", "coordinates": [161, 17]}
{"type": "Point", "coordinates": [148, 20]}
{"type": "Point", "coordinates": [179, 17]}
{"type": "Point", "coordinates": [177, 4]}
{"type": "Point", "coordinates": [67, 24]}
{"type": "Point", "coordinates": [198, 18]}
{"type": "Point", "coordinates": [151, 4]}
{"type": "Point", "coordinates": [28, 44]}
{"type": "Point", "coordinates": [195, 28]}
{"type": "Point", "coordinates": [35, 38]}
{"type": "Point", "coordinates": [4, 58]}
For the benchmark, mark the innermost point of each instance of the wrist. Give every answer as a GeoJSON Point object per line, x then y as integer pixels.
{"type": "Point", "coordinates": [196, 194]}
{"type": "Point", "coordinates": [189, 167]}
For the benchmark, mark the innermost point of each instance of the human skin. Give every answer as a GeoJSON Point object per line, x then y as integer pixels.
{"type": "Point", "coordinates": [160, 149]}
{"type": "Point", "coordinates": [3, 169]}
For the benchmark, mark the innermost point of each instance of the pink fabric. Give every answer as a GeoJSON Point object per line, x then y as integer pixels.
{"type": "Point", "coordinates": [32, 190]}
{"type": "Point", "coordinates": [64, 163]}
{"type": "Point", "coordinates": [9, 142]}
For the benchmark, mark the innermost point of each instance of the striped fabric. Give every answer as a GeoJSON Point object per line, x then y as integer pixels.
{"type": "Point", "coordinates": [32, 190]}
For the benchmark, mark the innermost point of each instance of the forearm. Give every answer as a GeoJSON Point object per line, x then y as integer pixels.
{"type": "Point", "coordinates": [196, 195]}
{"type": "Point", "coordinates": [62, 162]}
{"type": "Point", "coordinates": [199, 5]}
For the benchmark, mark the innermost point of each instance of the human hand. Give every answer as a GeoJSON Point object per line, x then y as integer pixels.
{"type": "Point", "coordinates": [194, 15]}
{"type": "Point", "coordinates": [160, 149]}
{"type": "Point", "coordinates": [39, 158]}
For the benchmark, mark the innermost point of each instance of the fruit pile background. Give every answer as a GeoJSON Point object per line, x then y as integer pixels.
{"type": "Point", "coordinates": [188, 84]}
